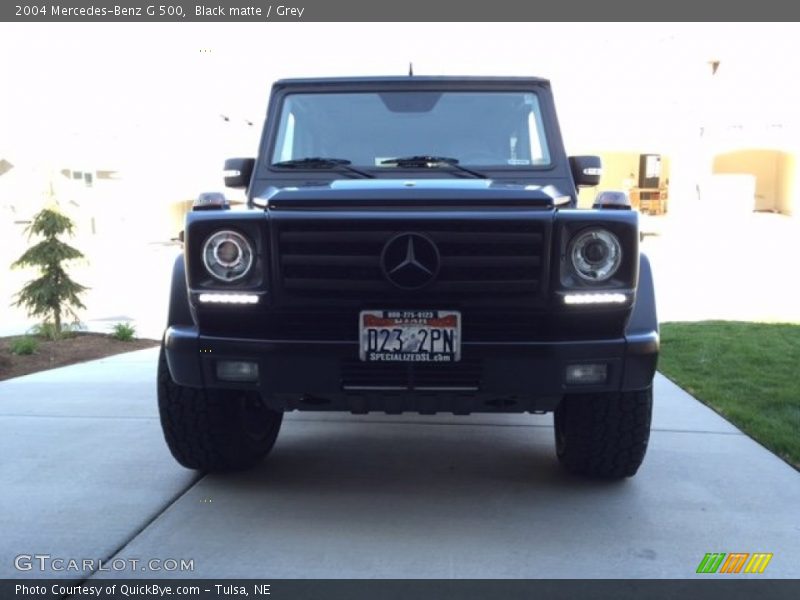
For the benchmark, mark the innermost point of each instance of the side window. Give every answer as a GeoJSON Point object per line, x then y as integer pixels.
{"type": "Point", "coordinates": [540, 154]}
{"type": "Point", "coordinates": [537, 152]}
{"type": "Point", "coordinates": [285, 143]}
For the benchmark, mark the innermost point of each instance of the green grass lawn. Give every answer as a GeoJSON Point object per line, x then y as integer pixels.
{"type": "Point", "coordinates": [747, 372]}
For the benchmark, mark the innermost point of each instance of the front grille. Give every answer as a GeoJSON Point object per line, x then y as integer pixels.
{"type": "Point", "coordinates": [478, 257]}
{"type": "Point", "coordinates": [464, 376]}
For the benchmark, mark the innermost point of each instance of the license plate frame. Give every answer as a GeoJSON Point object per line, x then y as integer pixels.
{"type": "Point", "coordinates": [409, 336]}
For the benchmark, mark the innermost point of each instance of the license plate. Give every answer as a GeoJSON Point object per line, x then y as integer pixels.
{"type": "Point", "coordinates": [410, 335]}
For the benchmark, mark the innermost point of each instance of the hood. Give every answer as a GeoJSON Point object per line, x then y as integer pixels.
{"type": "Point", "coordinates": [394, 193]}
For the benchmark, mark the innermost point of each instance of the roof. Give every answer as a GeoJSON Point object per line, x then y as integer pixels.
{"type": "Point", "coordinates": [411, 80]}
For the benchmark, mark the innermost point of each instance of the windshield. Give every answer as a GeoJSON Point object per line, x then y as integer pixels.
{"type": "Point", "coordinates": [490, 129]}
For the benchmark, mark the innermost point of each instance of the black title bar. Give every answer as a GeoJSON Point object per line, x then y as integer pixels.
{"type": "Point", "coordinates": [407, 10]}
{"type": "Point", "coordinates": [706, 587]}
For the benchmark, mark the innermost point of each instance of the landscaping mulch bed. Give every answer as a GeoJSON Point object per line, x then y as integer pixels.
{"type": "Point", "coordinates": [50, 354]}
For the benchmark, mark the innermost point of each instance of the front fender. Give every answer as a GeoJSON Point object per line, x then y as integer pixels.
{"type": "Point", "coordinates": [180, 336]}
{"type": "Point", "coordinates": [641, 333]}
{"type": "Point", "coordinates": [180, 312]}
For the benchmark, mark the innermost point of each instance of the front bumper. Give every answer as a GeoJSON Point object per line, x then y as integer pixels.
{"type": "Point", "coordinates": [491, 377]}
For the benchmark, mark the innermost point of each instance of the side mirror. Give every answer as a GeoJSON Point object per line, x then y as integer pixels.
{"type": "Point", "coordinates": [586, 170]}
{"type": "Point", "coordinates": [238, 172]}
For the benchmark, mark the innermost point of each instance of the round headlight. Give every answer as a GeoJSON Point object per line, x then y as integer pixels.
{"type": "Point", "coordinates": [227, 255]}
{"type": "Point", "coordinates": [596, 254]}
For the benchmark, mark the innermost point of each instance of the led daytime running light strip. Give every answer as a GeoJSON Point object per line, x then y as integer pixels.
{"type": "Point", "coordinates": [228, 298]}
{"type": "Point", "coordinates": [595, 298]}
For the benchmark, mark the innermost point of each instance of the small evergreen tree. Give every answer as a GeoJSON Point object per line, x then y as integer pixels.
{"type": "Point", "coordinates": [53, 295]}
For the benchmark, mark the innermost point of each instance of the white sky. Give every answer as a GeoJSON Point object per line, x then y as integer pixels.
{"type": "Point", "coordinates": [134, 95]}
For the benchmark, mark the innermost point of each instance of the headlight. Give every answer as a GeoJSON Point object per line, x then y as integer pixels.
{"type": "Point", "coordinates": [227, 255]}
{"type": "Point", "coordinates": [596, 254]}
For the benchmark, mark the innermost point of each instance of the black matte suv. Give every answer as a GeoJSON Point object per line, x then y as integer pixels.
{"type": "Point", "coordinates": [410, 244]}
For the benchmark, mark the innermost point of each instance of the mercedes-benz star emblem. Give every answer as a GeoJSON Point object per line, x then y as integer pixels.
{"type": "Point", "coordinates": [410, 260]}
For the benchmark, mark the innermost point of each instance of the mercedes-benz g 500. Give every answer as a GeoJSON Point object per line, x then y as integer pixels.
{"type": "Point", "coordinates": [410, 244]}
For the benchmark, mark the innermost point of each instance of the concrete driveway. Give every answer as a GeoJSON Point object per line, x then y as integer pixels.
{"type": "Point", "coordinates": [86, 475]}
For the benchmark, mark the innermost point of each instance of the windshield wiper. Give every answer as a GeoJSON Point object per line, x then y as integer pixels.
{"type": "Point", "coordinates": [316, 162]}
{"type": "Point", "coordinates": [427, 161]}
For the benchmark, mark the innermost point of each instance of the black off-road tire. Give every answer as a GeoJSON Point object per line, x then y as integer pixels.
{"type": "Point", "coordinates": [214, 430]}
{"type": "Point", "coordinates": [603, 435]}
